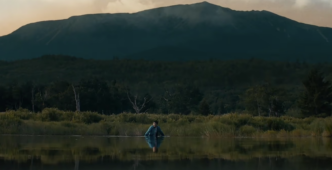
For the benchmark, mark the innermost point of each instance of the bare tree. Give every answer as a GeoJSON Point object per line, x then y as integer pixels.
{"type": "Point", "coordinates": [136, 104]}
{"type": "Point", "coordinates": [33, 98]}
{"type": "Point", "coordinates": [77, 99]}
{"type": "Point", "coordinates": [42, 97]}
{"type": "Point", "coordinates": [258, 107]}
{"type": "Point", "coordinates": [167, 97]}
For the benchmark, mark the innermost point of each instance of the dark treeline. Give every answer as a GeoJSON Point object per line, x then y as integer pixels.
{"type": "Point", "coordinates": [259, 87]}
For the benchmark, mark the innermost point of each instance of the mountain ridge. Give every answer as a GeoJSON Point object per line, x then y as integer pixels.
{"type": "Point", "coordinates": [204, 28]}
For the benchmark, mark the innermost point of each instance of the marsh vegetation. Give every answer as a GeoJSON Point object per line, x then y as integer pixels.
{"type": "Point", "coordinates": [56, 122]}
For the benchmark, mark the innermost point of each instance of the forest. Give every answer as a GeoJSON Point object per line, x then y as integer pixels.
{"type": "Point", "coordinates": [212, 87]}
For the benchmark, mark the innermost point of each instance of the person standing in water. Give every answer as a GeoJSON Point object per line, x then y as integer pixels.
{"type": "Point", "coordinates": [154, 130]}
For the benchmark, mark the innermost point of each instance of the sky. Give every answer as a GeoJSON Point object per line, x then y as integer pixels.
{"type": "Point", "coordinates": [16, 13]}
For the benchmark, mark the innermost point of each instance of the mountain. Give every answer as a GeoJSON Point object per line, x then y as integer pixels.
{"type": "Point", "coordinates": [181, 32]}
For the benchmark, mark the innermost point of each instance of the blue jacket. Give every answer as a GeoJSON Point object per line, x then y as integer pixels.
{"type": "Point", "coordinates": [152, 131]}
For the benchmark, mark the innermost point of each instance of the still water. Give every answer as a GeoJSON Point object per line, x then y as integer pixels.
{"type": "Point", "coordinates": [119, 153]}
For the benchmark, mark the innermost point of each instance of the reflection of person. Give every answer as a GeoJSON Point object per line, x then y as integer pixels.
{"type": "Point", "coordinates": [154, 142]}
{"type": "Point", "coordinates": [154, 130]}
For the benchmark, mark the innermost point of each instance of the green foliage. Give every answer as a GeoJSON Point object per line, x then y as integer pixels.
{"type": "Point", "coordinates": [107, 127]}
{"type": "Point", "coordinates": [265, 100]}
{"type": "Point", "coordinates": [183, 99]}
{"type": "Point", "coordinates": [23, 114]}
{"type": "Point", "coordinates": [51, 114]}
{"type": "Point", "coordinates": [319, 125]}
{"type": "Point", "coordinates": [69, 124]}
{"type": "Point", "coordinates": [88, 117]}
{"type": "Point", "coordinates": [247, 130]}
{"type": "Point", "coordinates": [55, 115]}
{"type": "Point", "coordinates": [56, 122]}
{"type": "Point", "coordinates": [204, 108]}
{"type": "Point", "coordinates": [316, 99]}
{"type": "Point", "coordinates": [9, 123]}
{"type": "Point", "coordinates": [134, 118]}
{"type": "Point", "coordinates": [272, 123]}
{"type": "Point", "coordinates": [175, 87]}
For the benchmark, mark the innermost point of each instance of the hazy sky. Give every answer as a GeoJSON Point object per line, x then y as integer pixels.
{"type": "Point", "coordinates": [16, 13]}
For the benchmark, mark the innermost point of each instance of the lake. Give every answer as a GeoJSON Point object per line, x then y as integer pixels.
{"type": "Point", "coordinates": [175, 153]}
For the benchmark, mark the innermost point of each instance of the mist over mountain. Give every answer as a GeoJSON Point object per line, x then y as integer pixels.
{"type": "Point", "coordinates": [182, 32]}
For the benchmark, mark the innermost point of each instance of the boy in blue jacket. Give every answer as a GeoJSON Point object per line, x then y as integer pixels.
{"type": "Point", "coordinates": [154, 130]}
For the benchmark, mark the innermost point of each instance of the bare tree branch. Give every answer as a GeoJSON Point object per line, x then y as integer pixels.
{"type": "Point", "coordinates": [137, 108]}
{"type": "Point", "coordinates": [77, 99]}
{"type": "Point", "coordinates": [33, 98]}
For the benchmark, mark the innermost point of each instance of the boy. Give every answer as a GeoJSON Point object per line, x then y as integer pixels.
{"type": "Point", "coordinates": [154, 130]}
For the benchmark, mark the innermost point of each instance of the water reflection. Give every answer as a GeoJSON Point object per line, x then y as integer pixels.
{"type": "Point", "coordinates": [154, 142]}
{"type": "Point", "coordinates": [83, 153]}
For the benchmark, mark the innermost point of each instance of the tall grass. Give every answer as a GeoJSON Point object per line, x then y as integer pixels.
{"type": "Point", "coordinates": [52, 121]}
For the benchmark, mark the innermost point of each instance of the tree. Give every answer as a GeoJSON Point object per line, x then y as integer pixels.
{"type": "Point", "coordinates": [95, 96]}
{"type": "Point", "coordinates": [59, 95]}
{"type": "Point", "coordinates": [254, 100]}
{"type": "Point", "coordinates": [77, 99]}
{"type": "Point", "coordinates": [184, 99]}
{"type": "Point", "coordinates": [317, 95]}
{"type": "Point", "coordinates": [265, 100]}
{"type": "Point", "coordinates": [139, 105]}
{"type": "Point", "coordinates": [204, 108]}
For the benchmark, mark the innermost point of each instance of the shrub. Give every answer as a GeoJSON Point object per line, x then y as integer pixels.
{"type": "Point", "coordinates": [51, 115]}
{"type": "Point", "coordinates": [320, 126]}
{"type": "Point", "coordinates": [247, 130]}
{"type": "Point", "coordinates": [69, 124]}
{"type": "Point", "coordinates": [269, 134]}
{"type": "Point", "coordinates": [235, 120]}
{"type": "Point", "coordinates": [23, 114]}
{"type": "Point", "coordinates": [89, 117]}
{"type": "Point", "coordinates": [107, 127]}
{"type": "Point", "coordinates": [218, 129]}
{"type": "Point", "coordinates": [299, 133]}
{"type": "Point", "coordinates": [127, 118]}
{"type": "Point", "coordinates": [326, 134]}
{"type": "Point", "coordinates": [9, 123]}
{"type": "Point", "coordinates": [182, 121]}
{"type": "Point", "coordinates": [275, 124]}
{"type": "Point", "coordinates": [67, 116]}
{"type": "Point", "coordinates": [283, 133]}
{"type": "Point", "coordinates": [172, 118]}
{"type": "Point", "coordinates": [143, 118]}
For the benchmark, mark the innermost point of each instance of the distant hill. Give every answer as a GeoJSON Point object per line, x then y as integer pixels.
{"type": "Point", "coordinates": [182, 32]}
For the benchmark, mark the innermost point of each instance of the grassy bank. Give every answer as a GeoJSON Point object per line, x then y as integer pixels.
{"type": "Point", "coordinates": [56, 122]}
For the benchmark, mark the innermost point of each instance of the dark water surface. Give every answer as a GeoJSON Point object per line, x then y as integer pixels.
{"type": "Point", "coordinates": [121, 153]}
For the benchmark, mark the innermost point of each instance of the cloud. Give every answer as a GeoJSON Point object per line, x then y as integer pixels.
{"type": "Point", "coordinates": [301, 3]}
{"type": "Point", "coordinates": [128, 6]}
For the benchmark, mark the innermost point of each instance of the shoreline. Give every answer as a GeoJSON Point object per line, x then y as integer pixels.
{"type": "Point", "coordinates": [53, 122]}
{"type": "Point", "coordinates": [203, 137]}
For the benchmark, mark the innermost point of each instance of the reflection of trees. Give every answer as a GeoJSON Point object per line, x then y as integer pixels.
{"type": "Point", "coordinates": [136, 162]}
{"type": "Point", "coordinates": [77, 162]}
{"type": "Point", "coordinates": [50, 151]}
{"type": "Point", "coordinates": [31, 163]}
